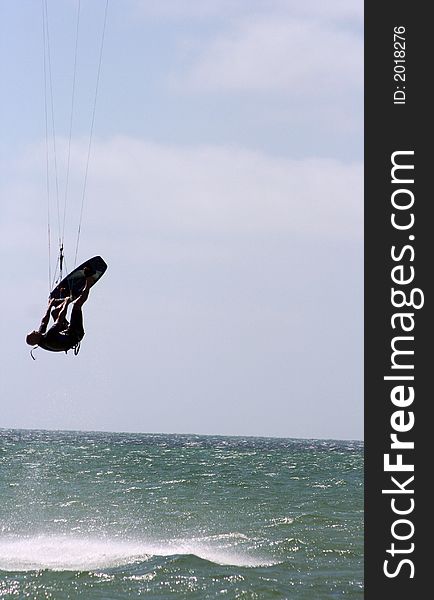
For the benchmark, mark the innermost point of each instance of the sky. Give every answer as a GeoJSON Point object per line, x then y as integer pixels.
{"type": "Point", "coordinates": [224, 190]}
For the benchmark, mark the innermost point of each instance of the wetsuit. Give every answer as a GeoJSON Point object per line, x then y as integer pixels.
{"type": "Point", "coordinates": [61, 337]}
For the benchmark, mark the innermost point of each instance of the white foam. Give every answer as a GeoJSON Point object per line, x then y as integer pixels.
{"type": "Point", "coordinates": [67, 553]}
{"type": "Point", "coordinates": [76, 553]}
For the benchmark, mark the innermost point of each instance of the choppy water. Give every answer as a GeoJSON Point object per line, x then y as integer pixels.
{"type": "Point", "coordinates": [112, 516]}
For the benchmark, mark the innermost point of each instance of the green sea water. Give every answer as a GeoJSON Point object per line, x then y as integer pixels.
{"type": "Point", "coordinates": [112, 516]}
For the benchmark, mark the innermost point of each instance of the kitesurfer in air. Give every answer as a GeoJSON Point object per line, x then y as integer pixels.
{"type": "Point", "coordinates": [63, 335]}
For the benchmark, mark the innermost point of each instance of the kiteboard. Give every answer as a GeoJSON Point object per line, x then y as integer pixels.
{"type": "Point", "coordinates": [73, 284]}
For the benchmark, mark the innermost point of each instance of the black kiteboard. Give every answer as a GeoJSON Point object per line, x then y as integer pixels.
{"type": "Point", "coordinates": [73, 284]}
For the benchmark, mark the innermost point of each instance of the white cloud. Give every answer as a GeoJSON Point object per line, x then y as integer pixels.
{"type": "Point", "coordinates": [198, 10]}
{"type": "Point", "coordinates": [298, 48]}
{"type": "Point", "coordinates": [296, 57]}
{"type": "Point", "coordinates": [228, 190]}
{"type": "Point", "coordinates": [187, 9]}
{"type": "Point", "coordinates": [137, 188]}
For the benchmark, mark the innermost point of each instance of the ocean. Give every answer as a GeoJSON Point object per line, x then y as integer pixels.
{"type": "Point", "coordinates": [118, 515]}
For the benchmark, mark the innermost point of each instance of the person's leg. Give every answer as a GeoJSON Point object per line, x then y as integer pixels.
{"type": "Point", "coordinates": [76, 328]}
{"type": "Point", "coordinates": [84, 294]}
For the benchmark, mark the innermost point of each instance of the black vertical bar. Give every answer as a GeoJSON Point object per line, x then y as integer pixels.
{"type": "Point", "coordinates": [398, 118]}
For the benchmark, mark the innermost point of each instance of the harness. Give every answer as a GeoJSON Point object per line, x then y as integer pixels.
{"type": "Point", "coordinates": [75, 348]}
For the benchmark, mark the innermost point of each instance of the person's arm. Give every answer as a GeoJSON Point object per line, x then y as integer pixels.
{"type": "Point", "coordinates": [63, 310]}
{"type": "Point", "coordinates": [46, 318]}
